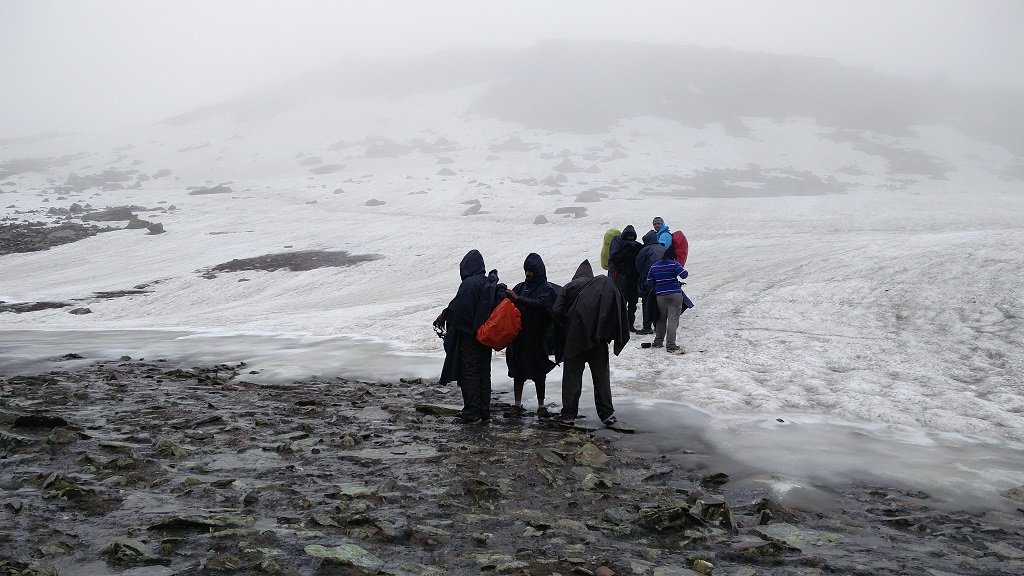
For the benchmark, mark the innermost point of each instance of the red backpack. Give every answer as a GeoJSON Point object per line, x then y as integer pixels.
{"type": "Point", "coordinates": [681, 246]}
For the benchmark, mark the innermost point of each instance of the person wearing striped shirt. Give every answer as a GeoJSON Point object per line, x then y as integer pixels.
{"type": "Point", "coordinates": [664, 275]}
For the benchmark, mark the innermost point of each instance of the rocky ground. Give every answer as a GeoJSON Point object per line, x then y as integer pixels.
{"type": "Point", "coordinates": [32, 236]}
{"type": "Point", "coordinates": [145, 468]}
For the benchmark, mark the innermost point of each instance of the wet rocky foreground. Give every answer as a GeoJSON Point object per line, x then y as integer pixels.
{"type": "Point", "coordinates": [144, 468]}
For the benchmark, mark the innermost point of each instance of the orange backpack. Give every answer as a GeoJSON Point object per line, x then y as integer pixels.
{"type": "Point", "coordinates": [501, 327]}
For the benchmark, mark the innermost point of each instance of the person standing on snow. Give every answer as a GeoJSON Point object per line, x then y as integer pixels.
{"type": "Point", "coordinates": [527, 355]}
{"type": "Point", "coordinates": [622, 260]}
{"type": "Point", "coordinates": [466, 360]}
{"type": "Point", "coordinates": [664, 277]}
{"type": "Point", "coordinates": [651, 252]}
{"type": "Point", "coordinates": [593, 314]}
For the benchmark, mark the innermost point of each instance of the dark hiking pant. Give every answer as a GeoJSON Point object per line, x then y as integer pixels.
{"type": "Point", "coordinates": [572, 382]}
{"type": "Point", "coordinates": [474, 378]}
{"type": "Point", "coordinates": [650, 310]}
{"type": "Point", "coordinates": [518, 384]}
{"type": "Point", "coordinates": [630, 293]}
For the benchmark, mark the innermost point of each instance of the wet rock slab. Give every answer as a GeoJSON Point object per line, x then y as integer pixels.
{"type": "Point", "coordinates": [132, 467]}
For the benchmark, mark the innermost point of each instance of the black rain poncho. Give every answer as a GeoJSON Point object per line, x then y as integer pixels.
{"type": "Point", "coordinates": [527, 356]}
{"type": "Point", "coordinates": [592, 311]}
{"type": "Point", "coordinates": [651, 252]}
{"type": "Point", "coordinates": [467, 311]}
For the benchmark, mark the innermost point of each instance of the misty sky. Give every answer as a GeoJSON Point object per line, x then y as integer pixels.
{"type": "Point", "coordinates": [69, 65]}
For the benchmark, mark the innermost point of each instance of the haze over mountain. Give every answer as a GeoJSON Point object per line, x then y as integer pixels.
{"type": "Point", "coordinates": [586, 87]}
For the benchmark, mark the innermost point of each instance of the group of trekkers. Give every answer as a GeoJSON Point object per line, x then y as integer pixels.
{"type": "Point", "coordinates": [574, 323]}
{"type": "Point", "coordinates": [648, 273]}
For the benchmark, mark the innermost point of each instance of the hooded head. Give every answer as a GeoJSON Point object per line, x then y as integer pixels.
{"type": "Point", "coordinates": [535, 265]}
{"type": "Point", "coordinates": [650, 238]}
{"type": "Point", "coordinates": [472, 264]}
{"type": "Point", "coordinates": [584, 271]}
{"type": "Point", "coordinates": [670, 253]}
{"type": "Point", "coordinates": [658, 222]}
{"type": "Point", "coordinates": [629, 233]}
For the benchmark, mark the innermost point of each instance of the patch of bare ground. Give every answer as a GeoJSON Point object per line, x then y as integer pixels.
{"type": "Point", "coordinates": [296, 261]}
{"type": "Point", "coordinates": [130, 464]}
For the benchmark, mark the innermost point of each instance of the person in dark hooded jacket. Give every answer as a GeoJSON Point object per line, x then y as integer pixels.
{"type": "Point", "coordinates": [466, 360]}
{"type": "Point", "coordinates": [622, 260]}
{"type": "Point", "coordinates": [651, 252]}
{"type": "Point", "coordinates": [527, 355]}
{"type": "Point", "coordinates": [593, 314]}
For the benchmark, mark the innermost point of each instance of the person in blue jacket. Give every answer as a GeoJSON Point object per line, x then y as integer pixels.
{"type": "Point", "coordinates": [664, 234]}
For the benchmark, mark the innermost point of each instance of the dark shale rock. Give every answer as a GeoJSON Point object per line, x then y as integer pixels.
{"type": "Point", "coordinates": [110, 215]}
{"type": "Point", "coordinates": [219, 189]}
{"type": "Point", "coordinates": [135, 223]}
{"type": "Point", "coordinates": [575, 211]}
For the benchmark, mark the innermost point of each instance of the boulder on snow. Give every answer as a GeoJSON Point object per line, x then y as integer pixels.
{"type": "Point", "coordinates": [110, 215]}
{"type": "Point", "coordinates": [566, 167]}
{"type": "Point", "coordinates": [574, 211]}
{"type": "Point", "coordinates": [137, 223]}
{"type": "Point", "coordinates": [219, 189]}
{"type": "Point", "coordinates": [589, 196]}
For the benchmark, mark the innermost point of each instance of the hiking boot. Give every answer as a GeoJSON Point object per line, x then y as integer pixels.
{"type": "Point", "coordinates": [542, 412]}
{"type": "Point", "coordinates": [514, 412]}
{"type": "Point", "coordinates": [564, 420]}
{"type": "Point", "coordinates": [645, 331]}
{"type": "Point", "coordinates": [473, 420]}
{"type": "Point", "coordinates": [675, 350]}
{"type": "Point", "coordinates": [656, 345]}
{"type": "Point", "coordinates": [610, 420]}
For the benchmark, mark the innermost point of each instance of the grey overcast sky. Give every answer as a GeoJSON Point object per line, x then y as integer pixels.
{"type": "Point", "coordinates": [70, 65]}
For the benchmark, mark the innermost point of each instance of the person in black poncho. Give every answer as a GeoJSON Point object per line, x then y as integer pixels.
{"type": "Point", "coordinates": [593, 313]}
{"type": "Point", "coordinates": [651, 252]}
{"type": "Point", "coordinates": [466, 360]}
{"type": "Point", "coordinates": [623, 271]}
{"type": "Point", "coordinates": [527, 355]}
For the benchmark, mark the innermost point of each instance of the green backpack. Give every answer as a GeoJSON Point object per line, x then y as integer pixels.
{"type": "Point", "coordinates": [610, 235]}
